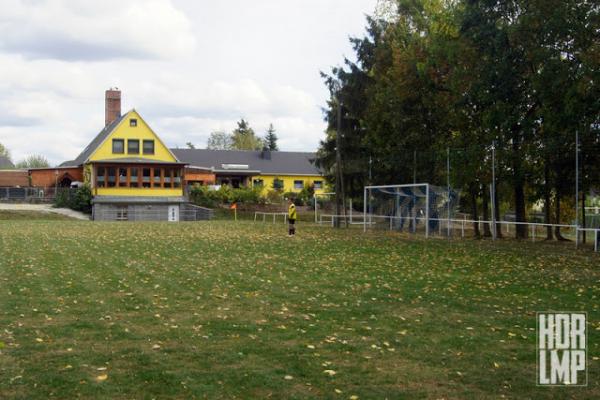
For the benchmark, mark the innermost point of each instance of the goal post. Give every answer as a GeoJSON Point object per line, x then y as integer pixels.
{"type": "Point", "coordinates": [326, 202]}
{"type": "Point", "coordinates": [414, 208]}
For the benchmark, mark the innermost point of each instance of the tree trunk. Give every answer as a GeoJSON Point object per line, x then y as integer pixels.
{"type": "Point", "coordinates": [521, 230]}
{"type": "Point", "coordinates": [557, 233]}
{"type": "Point", "coordinates": [486, 215]}
{"type": "Point", "coordinates": [474, 212]}
{"type": "Point", "coordinates": [547, 212]}
{"type": "Point", "coordinates": [497, 213]}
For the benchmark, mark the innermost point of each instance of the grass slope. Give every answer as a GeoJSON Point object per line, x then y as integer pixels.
{"type": "Point", "coordinates": [20, 215]}
{"type": "Point", "coordinates": [238, 310]}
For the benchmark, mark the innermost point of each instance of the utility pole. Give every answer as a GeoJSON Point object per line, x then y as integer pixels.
{"type": "Point", "coordinates": [577, 188]}
{"type": "Point", "coordinates": [448, 187]}
{"type": "Point", "coordinates": [494, 205]}
{"type": "Point", "coordinates": [340, 208]}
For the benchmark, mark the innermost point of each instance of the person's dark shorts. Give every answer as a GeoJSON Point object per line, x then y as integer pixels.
{"type": "Point", "coordinates": [292, 221]}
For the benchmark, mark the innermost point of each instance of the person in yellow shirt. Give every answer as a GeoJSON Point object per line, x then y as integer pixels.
{"type": "Point", "coordinates": [291, 217]}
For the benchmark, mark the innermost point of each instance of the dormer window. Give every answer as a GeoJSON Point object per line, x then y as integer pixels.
{"type": "Point", "coordinates": [133, 146]}
{"type": "Point", "coordinates": [133, 122]}
{"type": "Point", "coordinates": [149, 147]}
{"type": "Point", "coordinates": [118, 146]}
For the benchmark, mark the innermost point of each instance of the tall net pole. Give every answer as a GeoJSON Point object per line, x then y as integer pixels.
{"type": "Point", "coordinates": [577, 188]}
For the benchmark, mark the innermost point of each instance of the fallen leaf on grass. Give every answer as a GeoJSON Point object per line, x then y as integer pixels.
{"type": "Point", "coordinates": [329, 372]}
{"type": "Point", "coordinates": [102, 378]}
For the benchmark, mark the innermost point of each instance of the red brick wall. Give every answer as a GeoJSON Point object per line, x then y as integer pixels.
{"type": "Point", "coordinates": [12, 178]}
{"type": "Point", "coordinates": [48, 178]}
{"type": "Point", "coordinates": [199, 175]}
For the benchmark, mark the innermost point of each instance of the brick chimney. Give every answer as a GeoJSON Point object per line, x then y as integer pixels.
{"type": "Point", "coordinates": [112, 105]}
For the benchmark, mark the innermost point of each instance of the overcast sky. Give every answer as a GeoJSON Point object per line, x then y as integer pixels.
{"type": "Point", "coordinates": [189, 67]}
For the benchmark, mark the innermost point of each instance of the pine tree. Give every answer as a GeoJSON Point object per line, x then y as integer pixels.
{"type": "Point", "coordinates": [270, 140]}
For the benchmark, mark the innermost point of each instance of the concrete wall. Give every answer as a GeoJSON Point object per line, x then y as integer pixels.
{"type": "Point", "coordinates": [147, 212]}
{"type": "Point", "coordinates": [135, 212]}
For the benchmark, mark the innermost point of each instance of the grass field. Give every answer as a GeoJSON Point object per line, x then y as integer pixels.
{"type": "Point", "coordinates": [31, 215]}
{"type": "Point", "coordinates": [239, 310]}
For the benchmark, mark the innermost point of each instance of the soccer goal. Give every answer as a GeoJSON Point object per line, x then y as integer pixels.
{"type": "Point", "coordinates": [413, 208]}
{"type": "Point", "coordinates": [325, 210]}
{"type": "Point", "coordinates": [324, 204]}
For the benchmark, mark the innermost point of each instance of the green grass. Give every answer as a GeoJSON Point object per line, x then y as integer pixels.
{"type": "Point", "coordinates": [228, 310]}
{"type": "Point", "coordinates": [6, 215]}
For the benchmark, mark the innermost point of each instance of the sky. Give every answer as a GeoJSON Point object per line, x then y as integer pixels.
{"type": "Point", "coordinates": [189, 67]}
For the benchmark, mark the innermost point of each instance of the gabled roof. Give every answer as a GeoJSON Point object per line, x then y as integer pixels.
{"type": "Point", "coordinates": [5, 162]}
{"type": "Point", "coordinates": [97, 141]}
{"type": "Point", "coordinates": [280, 163]}
{"type": "Point", "coordinates": [101, 137]}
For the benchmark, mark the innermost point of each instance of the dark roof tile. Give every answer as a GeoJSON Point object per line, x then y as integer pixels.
{"type": "Point", "coordinates": [280, 163]}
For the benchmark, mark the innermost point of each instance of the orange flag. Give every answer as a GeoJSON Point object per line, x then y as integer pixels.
{"type": "Point", "coordinates": [233, 206]}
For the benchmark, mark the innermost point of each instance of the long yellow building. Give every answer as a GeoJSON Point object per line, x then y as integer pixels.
{"type": "Point", "coordinates": [271, 170]}
{"type": "Point", "coordinates": [133, 175]}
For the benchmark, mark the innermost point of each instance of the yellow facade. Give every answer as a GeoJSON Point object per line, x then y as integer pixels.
{"type": "Point", "coordinates": [140, 192]}
{"type": "Point", "coordinates": [289, 182]}
{"type": "Point", "coordinates": [141, 131]}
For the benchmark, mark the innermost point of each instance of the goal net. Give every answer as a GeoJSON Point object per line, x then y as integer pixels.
{"type": "Point", "coordinates": [414, 208]}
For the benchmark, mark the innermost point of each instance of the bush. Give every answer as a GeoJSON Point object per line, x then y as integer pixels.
{"type": "Point", "coordinates": [207, 197]}
{"type": "Point", "coordinates": [204, 196]}
{"type": "Point", "coordinates": [247, 195]}
{"type": "Point", "coordinates": [79, 199]}
{"type": "Point", "coordinates": [274, 197]}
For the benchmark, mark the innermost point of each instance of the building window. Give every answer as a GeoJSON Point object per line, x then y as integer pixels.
{"type": "Point", "coordinates": [277, 184]}
{"type": "Point", "coordinates": [149, 147]}
{"type": "Point", "coordinates": [146, 177]}
{"type": "Point", "coordinates": [122, 177]}
{"type": "Point", "coordinates": [118, 146]}
{"type": "Point", "coordinates": [134, 179]}
{"type": "Point", "coordinates": [100, 178]}
{"type": "Point", "coordinates": [167, 180]}
{"type": "Point", "coordinates": [110, 172]}
{"type": "Point", "coordinates": [318, 185]}
{"type": "Point", "coordinates": [133, 146]}
{"type": "Point", "coordinates": [176, 178]}
{"type": "Point", "coordinates": [156, 182]}
{"type": "Point", "coordinates": [258, 183]}
{"type": "Point", "coordinates": [122, 213]}
{"type": "Point", "coordinates": [133, 122]}
{"type": "Point", "coordinates": [299, 185]}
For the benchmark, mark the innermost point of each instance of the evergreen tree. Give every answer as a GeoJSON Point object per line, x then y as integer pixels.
{"type": "Point", "coordinates": [270, 140]}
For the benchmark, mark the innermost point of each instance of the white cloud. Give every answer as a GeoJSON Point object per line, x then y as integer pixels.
{"type": "Point", "coordinates": [189, 67]}
{"type": "Point", "coordinates": [95, 30]}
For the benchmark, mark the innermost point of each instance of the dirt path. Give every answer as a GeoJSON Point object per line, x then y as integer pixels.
{"type": "Point", "coordinates": [44, 208]}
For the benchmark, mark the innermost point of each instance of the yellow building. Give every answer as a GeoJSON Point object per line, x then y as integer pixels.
{"type": "Point", "coordinates": [285, 171]}
{"type": "Point", "coordinates": [133, 175]}
{"type": "Point", "coordinates": [131, 172]}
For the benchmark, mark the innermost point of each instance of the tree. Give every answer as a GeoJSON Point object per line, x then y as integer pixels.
{"type": "Point", "coordinates": [243, 137]}
{"type": "Point", "coordinates": [270, 140]}
{"type": "Point", "coordinates": [33, 161]}
{"type": "Point", "coordinates": [219, 141]}
{"type": "Point", "coordinates": [190, 145]}
{"type": "Point", "coordinates": [4, 151]}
